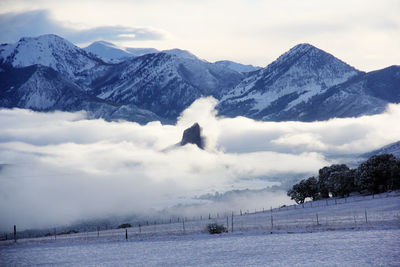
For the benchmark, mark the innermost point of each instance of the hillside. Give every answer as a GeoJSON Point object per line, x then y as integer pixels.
{"type": "Point", "coordinates": [354, 231]}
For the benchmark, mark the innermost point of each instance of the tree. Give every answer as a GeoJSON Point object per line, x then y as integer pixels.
{"type": "Point", "coordinates": [304, 189]}
{"type": "Point", "coordinates": [297, 193]}
{"type": "Point", "coordinates": [330, 178]}
{"type": "Point", "coordinates": [311, 187]}
{"type": "Point", "coordinates": [378, 174]}
{"type": "Point", "coordinates": [344, 183]}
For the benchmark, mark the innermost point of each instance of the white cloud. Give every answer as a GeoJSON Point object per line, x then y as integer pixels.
{"type": "Point", "coordinates": [59, 167]}
{"type": "Point", "coordinates": [33, 23]}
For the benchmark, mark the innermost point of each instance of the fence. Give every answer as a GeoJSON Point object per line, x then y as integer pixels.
{"type": "Point", "coordinates": [374, 211]}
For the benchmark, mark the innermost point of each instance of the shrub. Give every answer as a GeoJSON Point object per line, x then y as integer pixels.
{"type": "Point", "coordinates": [214, 228]}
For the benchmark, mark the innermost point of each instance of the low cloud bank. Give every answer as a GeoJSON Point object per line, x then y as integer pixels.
{"type": "Point", "coordinates": [59, 167]}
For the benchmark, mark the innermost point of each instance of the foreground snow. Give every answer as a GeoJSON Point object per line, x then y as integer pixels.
{"type": "Point", "coordinates": [330, 248]}
{"type": "Point", "coordinates": [356, 231]}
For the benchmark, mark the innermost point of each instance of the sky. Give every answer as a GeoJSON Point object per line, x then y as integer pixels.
{"type": "Point", "coordinates": [363, 33]}
{"type": "Point", "coordinates": [59, 167]}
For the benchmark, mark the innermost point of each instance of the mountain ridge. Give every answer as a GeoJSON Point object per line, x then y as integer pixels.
{"type": "Point", "coordinates": [305, 83]}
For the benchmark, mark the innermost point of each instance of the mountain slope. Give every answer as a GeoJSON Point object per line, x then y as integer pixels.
{"type": "Point", "coordinates": [165, 83]}
{"type": "Point", "coordinates": [295, 77]}
{"type": "Point", "coordinates": [41, 88]}
{"type": "Point", "coordinates": [38, 87]}
{"type": "Point", "coordinates": [393, 148]}
{"type": "Point", "coordinates": [365, 94]}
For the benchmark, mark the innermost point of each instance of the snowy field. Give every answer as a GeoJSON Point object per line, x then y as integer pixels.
{"type": "Point", "coordinates": [357, 231]}
{"type": "Point", "coordinates": [330, 248]}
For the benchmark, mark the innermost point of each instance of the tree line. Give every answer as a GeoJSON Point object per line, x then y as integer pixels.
{"type": "Point", "coordinates": [380, 173]}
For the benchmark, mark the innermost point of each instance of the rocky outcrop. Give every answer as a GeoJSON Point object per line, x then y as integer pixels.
{"type": "Point", "coordinates": [192, 135]}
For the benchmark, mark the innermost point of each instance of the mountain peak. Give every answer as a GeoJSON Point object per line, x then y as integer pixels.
{"type": "Point", "coordinates": [180, 53]}
{"type": "Point", "coordinates": [48, 50]}
{"type": "Point", "coordinates": [287, 83]}
{"type": "Point", "coordinates": [299, 50]}
{"type": "Point", "coordinates": [303, 46]}
{"type": "Point", "coordinates": [46, 39]}
{"type": "Point", "coordinates": [103, 43]}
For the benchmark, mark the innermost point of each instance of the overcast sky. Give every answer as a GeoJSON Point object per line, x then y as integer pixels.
{"type": "Point", "coordinates": [363, 33]}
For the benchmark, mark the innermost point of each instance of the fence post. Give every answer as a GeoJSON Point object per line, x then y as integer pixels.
{"type": "Point", "coordinates": [15, 233]}
{"type": "Point", "coordinates": [272, 222]}
{"type": "Point", "coordinates": [366, 218]}
{"type": "Point", "coordinates": [126, 234]}
{"type": "Point", "coordinates": [317, 219]}
{"type": "Point", "coordinates": [232, 222]}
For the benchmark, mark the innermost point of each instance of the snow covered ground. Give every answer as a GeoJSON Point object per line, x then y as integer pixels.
{"type": "Point", "coordinates": [330, 248]}
{"type": "Point", "coordinates": [357, 231]}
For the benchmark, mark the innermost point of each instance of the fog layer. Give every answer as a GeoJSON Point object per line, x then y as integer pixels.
{"type": "Point", "coordinates": [56, 168]}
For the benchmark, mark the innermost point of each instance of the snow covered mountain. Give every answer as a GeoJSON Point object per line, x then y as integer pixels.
{"type": "Point", "coordinates": [50, 51]}
{"type": "Point", "coordinates": [364, 94]}
{"type": "Point", "coordinates": [293, 79]}
{"type": "Point", "coordinates": [49, 73]}
{"type": "Point", "coordinates": [41, 88]}
{"type": "Point", "coordinates": [237, 66]}
{"type": "Point", "coordinates": [112, 53]}
{"type": "Point", "coordinates": [59, 75]}
{"type": "Point", "coordinates": [165, 83]}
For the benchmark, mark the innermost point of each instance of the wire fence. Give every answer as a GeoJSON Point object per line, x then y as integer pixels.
{"type": "Point", "coordinates": [356, 212]}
